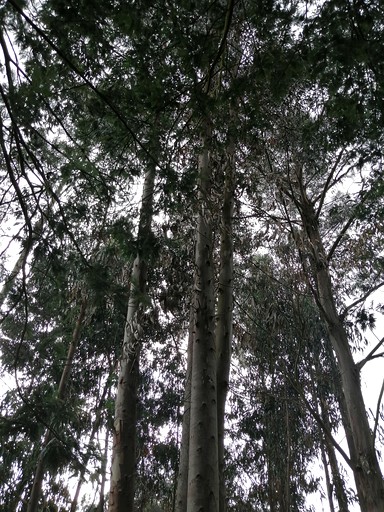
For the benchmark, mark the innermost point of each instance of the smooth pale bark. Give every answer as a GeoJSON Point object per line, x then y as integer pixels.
{"type": "Point", "coordinates": [182, 479]}
{"type": "Point", "coordinates": [368, 477]}
{"type": "Point", "coordinates": [224, 313]}
{"type": "Point", "coordinates": [33, 503]}
{"type": "Point", "coordinates": [203, 473]}
{"type": "Point", "coordinates": [124, 452]}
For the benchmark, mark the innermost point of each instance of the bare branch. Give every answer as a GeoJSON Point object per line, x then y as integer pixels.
{"type": "Point", "coordinates": [370, 356]}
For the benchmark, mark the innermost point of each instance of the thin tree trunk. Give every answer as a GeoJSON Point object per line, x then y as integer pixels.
{"type": "Point", "coordinates": [326, 472]}
{"type": "Point", "coordinates": [27, 247]}
{"type": "Point", "coordinates": [100, 506]}
{"type": "Point", "coordinates": [287, 488]}
{"type": "Point", "coordinates": [345, 420]}
{"type": "Point", "coordinates": [341, 496]}
{"type": "Point", "coordinates": [182, 479]}
{"type": "Point", "coordinates": [368, 477]}
{"type": "Point", "coordinates": [124, 452]}
{"type": "Point", "coordinates": [225, 312]}
{"type": "Point", "coordinates": [33, 503]}
{"type": "Point", "coordinates": [203, 470]}
{"type": "Point", "coordinates": [95, 428]}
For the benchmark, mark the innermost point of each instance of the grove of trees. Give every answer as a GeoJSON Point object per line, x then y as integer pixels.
{"type": "Point", "coordinates": [192, 233]}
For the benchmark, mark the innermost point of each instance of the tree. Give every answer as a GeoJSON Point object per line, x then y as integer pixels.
{"type": "Point", "coordinates": [303, 190]}
{"type": "Point", "coordinates": [231, 114]}
{"type": "Point", "coordinates": [124, 455]}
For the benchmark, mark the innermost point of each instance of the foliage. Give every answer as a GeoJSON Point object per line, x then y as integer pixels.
{"type": "Point", "coordinates": [91, 95]}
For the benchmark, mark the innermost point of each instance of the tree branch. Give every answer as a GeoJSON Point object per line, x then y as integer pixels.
{"type": "Point", "coordinates": [370, 356]}
{"type": "Point", "coordinates": [361, 299]}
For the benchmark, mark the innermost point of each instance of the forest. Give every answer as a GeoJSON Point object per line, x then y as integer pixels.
{"type": "Point", "coordinates": [191, 255]}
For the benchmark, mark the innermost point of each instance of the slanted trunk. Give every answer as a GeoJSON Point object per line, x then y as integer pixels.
{"type": "Point", "coordinates": [203, 473]}
{"type": "Point", "coordinates": [123, 472]}
{"type": "Point", "coordinates": [33, 503]}
{"type": "Point", "coordinates": [337, 484]}
{"type": "Point", "coordinates": [327, 475]}
{"type": "Point", "coordinates": [368, 478]}
{"type": "Point", "coordinates": [224, 313]}
{"type": "Point", "coordinates": [27, 246]}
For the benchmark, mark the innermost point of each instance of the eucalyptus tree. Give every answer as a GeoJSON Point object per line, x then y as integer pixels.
{"type": "Point", "coordinates": [59, 51]}
{"type": "Point", "coordinates": [189, 100]}
{"type": "Point", "coordinates": [310, 170]}
{"type": "Point", "coordinates": [274, 434]}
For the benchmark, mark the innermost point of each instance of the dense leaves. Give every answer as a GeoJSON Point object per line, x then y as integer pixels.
{"type": "Point", "coordinates": [92, 95]}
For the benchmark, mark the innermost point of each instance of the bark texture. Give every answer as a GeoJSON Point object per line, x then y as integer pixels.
{"type": "Point", "coordinates": [203, 474]}
{"type": "Point", "coordinates": [182, 479]}
{"type": "Point", "coordinates": [123, 471]}
{"type": "Point", "coordinates": [225, 312]}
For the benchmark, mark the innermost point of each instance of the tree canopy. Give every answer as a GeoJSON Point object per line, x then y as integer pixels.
{"type": "Point", "coordinates": [191, 205]}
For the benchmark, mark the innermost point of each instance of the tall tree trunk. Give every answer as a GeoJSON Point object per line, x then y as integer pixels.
{"type": "Point", "coordinates": [203, 470]}
{"type": "Point", "coordinates": [123, 473]}
{"type": "Point", "coordinates": [225, 311]}
{"type": "Point", "coordinates": [368, 477]}
{"type": "Point", "coordinates": [182, 479]}
{"type": "Point", "coordinates": [344, 418]}
{"type": "Point", "coordinates": [33, 503]}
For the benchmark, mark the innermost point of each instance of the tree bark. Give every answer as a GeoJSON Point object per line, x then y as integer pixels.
{"type": "Point", "coordinates": [203, 472]}
{"type": "Point", "coordinates": [123, 472]}
{"type": "Point", "coordinates": [368, 477]}
{"type": "Point", "coordinates": [327, 475]}
{"type": "Point", "coordinates": [341, 496]}
{"type": "Point", "coordinates": [225, 312]}
{"type": "Point", "coordinates": [103, 470]}
{"type": "Point", "coordinates": [182, 479]}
